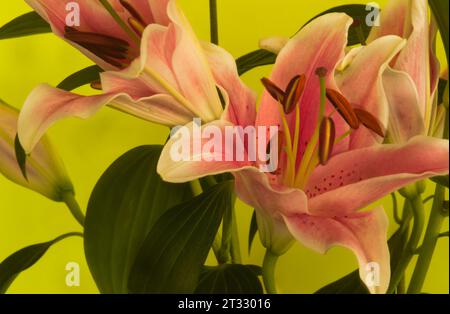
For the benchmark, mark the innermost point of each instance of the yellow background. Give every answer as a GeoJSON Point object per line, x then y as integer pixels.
{"type": "Point", "coordinates": [89, 146]}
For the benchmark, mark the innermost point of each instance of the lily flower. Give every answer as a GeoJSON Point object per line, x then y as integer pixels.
{"type": "Point", "coordinates": [411, 80]}
{"type": "Point", "coordinates": [332, 162]}
{"type": "Point", "coordinates": [170, 79]}
{"type": "Point", "coordinates": [45, 172]}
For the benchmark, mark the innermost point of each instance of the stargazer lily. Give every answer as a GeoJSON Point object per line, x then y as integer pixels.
{"type": "Point", "coordinates": [332, 162]}
{"type": "Point", "coordinates": [45, 172]}
{"type": "Point", "coordinates": [170, 79]}
{"type": "Point", "coordinates": [411, 80]}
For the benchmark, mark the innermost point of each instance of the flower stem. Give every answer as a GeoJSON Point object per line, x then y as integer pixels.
{"type": "Point", "coordinates": [418, 213]}
{"type": "Point", "coordinates": [213, 22]}
{"type": "Point", "coordinates": [72, 204]}
{"type": "Point", "coordinates": [235, 245]}
{"type": "Point", "coordinates": [268, 272]}
{"type": "Point", "coordinates": [429, 242]}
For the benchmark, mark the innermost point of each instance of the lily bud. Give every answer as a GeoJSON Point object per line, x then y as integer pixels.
{"type": "Point", "coordinates": [293, 93]}
{"type": "Point", "coordinates": [326, 139]}
{"type": "Point", "coordinates": [369, 121]}
{"type": "Point", "coordinates": [344, 108]}
{"type": "Point", "coordinates": [276, 92]}
{"type": "Point", "coordinates": [44, 170]}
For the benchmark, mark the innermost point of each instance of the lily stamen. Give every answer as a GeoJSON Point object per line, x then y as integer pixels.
{"type": "Point", "coordinates": [137, 26]}
{"type": "Point", "coordinates": [133, 12]}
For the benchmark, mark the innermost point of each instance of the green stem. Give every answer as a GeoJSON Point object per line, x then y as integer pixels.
{"type": "Point", "coordinates": [72, 204]}
{"type": "Point", "coordinates": [268, 272]}
{"type": "Point", "coordinates": [196, 187]}
{"type": "Point", "coordinates": [213, 22]}
{"type": "Point", "coordinates": [216, 248]}
{"type": "Point", "coordinates": [67, 235]}
{"type": "Point", "coordinates": [418, 213]}
{"type": "Point", "coordinates": [235, 245]}
{"type": "Point", "coordinates": [227, 225]}
{"type": "Point", "coordinates": [429, 242]}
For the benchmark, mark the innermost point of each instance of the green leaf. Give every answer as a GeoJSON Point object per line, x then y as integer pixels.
{"type": "Point", "coordinates": [21, 157]}
{"type": "Point", "coordinates": [357, 34]}
{"type": "Point", "coordinates": [441, 180]}
{"type": "Point", "coordinates": [23, 259]}
{"type": "Point", "coordinates": [172, 256]}
{"type": "Point", "coordinates": [80, 78]}
{"type": "Point", "coordinates": [349, 284]}
{"type": "Point", "coordinates": [28, 24]}
{"type": "Point", "coordinates": [230, 279]}
{"type": "Point", "coordinates": [255, 59]}
{"type": "Point", "coordinates": [440, 11]}
{"type": "Point", "coordinates": [252, 231]}
{"type": "Point", "coordinates": [359, 31]}
{"type": "Point", "coordinates": [125, 204]}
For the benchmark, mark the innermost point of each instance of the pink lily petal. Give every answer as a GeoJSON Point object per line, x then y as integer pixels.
{"type": "Point", "coordinates": [192, 69]}
{"type": "Point", "coordinates": [96, 19]}
{"type": "Point", "coordinates": [364, 233]}
{"type": "Point", "coordinates": [368, 65]}
{"type": "Point", "coordinates": [352, 180]}
{"type": "Point", "coordinates": [158, 9]}
{"type": "Point", "coordinates": [409, 19]}
{"type": "Point", "coordinates": [270, 201]}
{"type": "Point", "coordinates": [209, 159]}
{"type": "Point", "coordinates": [406, 120]}
{"type": "Point", "coordinates": [172, 61]}
{"type": "Point", "coordinates": [319, 44]}
{"type": "Point", "coordinates": [242, 100]}
{"type": "Point", "coordinates": [45, 105]}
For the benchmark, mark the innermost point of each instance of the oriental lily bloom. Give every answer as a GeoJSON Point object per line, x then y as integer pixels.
{"type": "Point", "coordinates": [331, 161]}
{"type": "Point", "coordinates": [45, 172]}
{"type": "Point", "coordinates": [411, 81]}
{"type": "Point", "coordinates": [170, 80]}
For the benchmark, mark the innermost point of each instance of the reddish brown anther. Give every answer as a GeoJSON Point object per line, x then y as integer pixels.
{"type": "Point", "coordinates": [327, 137]}
{"type": "Point", "coordinates": [133, 12]}
{"type": "Point", "coordinates": [276, 92]}
{"type": "Point", "coordinates": [96, 85]}
{"type": "Point", "coordinates": [344, 108]}
{"type": "Point", "coordinates": [369, 121]}
{"type": "Point", "coordinates": [293, 93]}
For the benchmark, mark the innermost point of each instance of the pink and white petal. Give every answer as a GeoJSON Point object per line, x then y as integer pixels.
{"type": "Point", "coordinates": [405, 117]}
{"type": "Point", "coordinates": [161, 109]}
{"type": "Point", "coordinates": [414, 59]}
{"type": "Point", "coordinates": [352, 180]}
{"type": "Point", "coordinates": [241, 109]}
{"type": "Point", "coordinates": [94, 18]}
{"type": "Point", "coordinates": [269, 200]}
{"type": "Point", "coordinates": [365, 233]}
{"type": "Point", "coordinates": [395, 20]}
{"type": "Point", "coordinates": [368, 66]}
{"type": "Point", "coordinates": [45, 105]}
{"type": "Point", "coordinates": [191, 68]}
{"type": "Point", "coordinates": [194, 151]}
{"type": "Point", "coordinates": [319, 44]}
{"type": "Point", "coordinates": [434, 61]}
{"type": "Point", "coordinates": [159, 11]}
{"type": "Point", "coordinates": [260, 190]}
